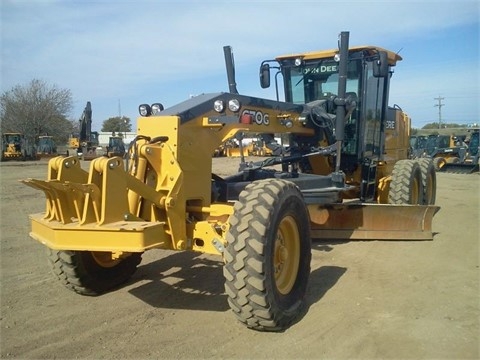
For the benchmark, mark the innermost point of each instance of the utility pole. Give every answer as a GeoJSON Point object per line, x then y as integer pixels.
{"type": "Point", "coordinates": [439, 99]}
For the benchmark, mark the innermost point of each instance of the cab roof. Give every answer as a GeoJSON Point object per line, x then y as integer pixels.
{"type": "Point", "coordinates": [322, 54]}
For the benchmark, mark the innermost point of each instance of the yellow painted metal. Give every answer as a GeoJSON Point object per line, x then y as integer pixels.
{"type": "Point", "coordinates": [93, 213]}
{"type": "Point", "coordinates": [204, 236]}
{"type": "Point", "coordinates": [108, 209]}
{"type": "Point", "coordinates": [126, 236]}
{"type": "Point", "coordinates": [236, 151]}
{"type": "Point", "coordinates": [396, 143]}
{"type": "Point", "coordinates": [313, 55]}
{"type": "Point", "coordinates": [383, 188]}
{"type": "Point", "coordinates": [359, 221]}
{"type": "Point", "coordinates": [286, 257]}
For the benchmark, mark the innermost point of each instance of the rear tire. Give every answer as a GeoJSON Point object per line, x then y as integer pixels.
{"type": "Point", "coordinates": [92, 272]}
{"type": "Point", "coordinates": [406, 186]}
{"type": "Point", "coordinates": [429, 180]}
{"type": "Point", "coordinates": [267, 258]}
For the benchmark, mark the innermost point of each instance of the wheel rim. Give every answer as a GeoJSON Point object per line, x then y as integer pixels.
{"type": "Point", "coordinates": [287, 255]}
{"type": "Point", "coordinates": [104, 259]}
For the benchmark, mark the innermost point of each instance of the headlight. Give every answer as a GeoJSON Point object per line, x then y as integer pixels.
{"type": "Point", "coordinates": [219, 106]}
{"type": "Point", "coordinates": [157, 108]}
{"type": "Point", "coordinates": [234, 105]}
{"type": "Point", "coordinates": [298, 61]}
{"type": "Point", "coordinates": [145, 110]}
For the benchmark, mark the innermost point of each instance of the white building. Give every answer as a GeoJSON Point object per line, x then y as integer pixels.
{"type": "Point", "coordinates": [103, 137]}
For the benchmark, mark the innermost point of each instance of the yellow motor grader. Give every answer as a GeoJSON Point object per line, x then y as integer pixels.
{"type": "Point", "coordinates": [345, 175]}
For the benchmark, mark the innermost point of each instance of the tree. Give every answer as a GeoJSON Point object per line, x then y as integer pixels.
{"type": "Point", "coordinates": [36, 109]}
{"type": "Point", "coordinates": [435, 125]}
{"type": "Point", "coordinates": [117, 124]}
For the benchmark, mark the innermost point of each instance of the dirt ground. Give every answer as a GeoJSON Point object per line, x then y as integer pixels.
{"type": "Point", "coordinates": [368, 300]}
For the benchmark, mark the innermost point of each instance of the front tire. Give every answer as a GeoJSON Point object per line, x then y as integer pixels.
{"type": "Point", "coordinates": [92, 272]}
{"type": "Point", "coordinates": [267, 257]}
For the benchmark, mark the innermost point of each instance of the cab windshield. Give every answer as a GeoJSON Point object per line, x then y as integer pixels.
{"type": "Point", "coordinates": [318, 80]}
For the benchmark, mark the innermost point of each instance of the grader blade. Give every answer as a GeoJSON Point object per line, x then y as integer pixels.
{"type": "Point", "coordinates": [463, 168]}
{"type": "Point", "coordinates": [359, 221]}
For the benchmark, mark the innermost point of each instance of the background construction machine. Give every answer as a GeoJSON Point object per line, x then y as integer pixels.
{"type": "Point", "coordinates": [443, 149]}
{"type": "Point", "coordinates": [265, 145]}
{"type": "Point", "coordinates": [463, 158]}
{"type": "Point", "coordinates": [342, 179]}
{"type": "Point", "coordinates": [46, 146]}
{"type": "Point", "coordinates": [85, 143]}
{"type": "Point", "coordinates": [418, 146]}
{"type": "Point", "coordinates": [449, 153]}
{"type": "Point", "coordinates": [115, 147]}
{"type": "Point", "coordinates": [16, 146]}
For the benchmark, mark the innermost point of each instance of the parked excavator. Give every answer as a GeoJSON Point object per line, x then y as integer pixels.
{"type": "Point", "coordinates": [341, 179]}
{"type": "Point", "coordinates": [85, 143]}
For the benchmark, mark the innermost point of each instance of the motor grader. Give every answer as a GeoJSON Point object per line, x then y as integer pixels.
{"type": "Point", "coordinates": [340, 179]}
{"type": "Point", "coordinates": [461, 159]}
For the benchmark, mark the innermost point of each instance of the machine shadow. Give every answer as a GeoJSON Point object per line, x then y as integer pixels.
{"type": "Point", "coordinates": [327, 246]}
{"type": "Point", "coordinates": [183, 280]}
{"type": "Point", "coordinates": [321, 281]}
{"type": "Point", "coordinates": [191, 281]}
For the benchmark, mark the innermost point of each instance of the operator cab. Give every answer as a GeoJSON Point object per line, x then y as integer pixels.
{"type": "Point", "coordinates": [314, 77]}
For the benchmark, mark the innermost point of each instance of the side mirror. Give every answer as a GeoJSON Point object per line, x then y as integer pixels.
{"type": "Point", "coordinates": [380, 66]}
{"type": "Point", "coordinates": [265, 76]}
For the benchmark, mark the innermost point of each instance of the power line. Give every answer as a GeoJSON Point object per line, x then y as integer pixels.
{"type": "Point", "coordinates": [439, 109]}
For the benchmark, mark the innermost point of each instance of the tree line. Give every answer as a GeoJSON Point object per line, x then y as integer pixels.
{"type": "Point", "coordinates": [436, 125]}
{"type": "Point", "coordinates": [39, 108]}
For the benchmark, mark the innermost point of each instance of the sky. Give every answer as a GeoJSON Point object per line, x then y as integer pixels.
{"type": "Point", "coordinates": [119, 54]}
